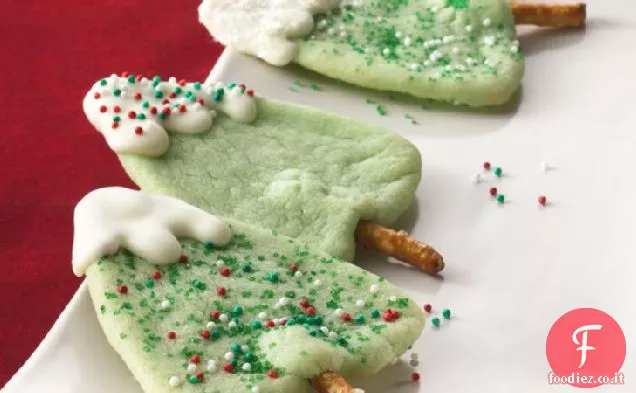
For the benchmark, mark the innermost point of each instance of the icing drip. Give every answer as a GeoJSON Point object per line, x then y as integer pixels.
{"type": "Point", "coordinates": [134, 113]}
{"type": "Point", "coordinates": [148, 225]}
{"type": "Point", "coordinates": [262, 28]}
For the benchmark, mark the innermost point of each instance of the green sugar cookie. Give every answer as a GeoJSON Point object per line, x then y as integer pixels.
{"type": "Point", "coordinates": [457, 51]}
{"type": "Point", "coordinates": [229, 308]}
{"type": "Point", "coordinates": [300, 172]}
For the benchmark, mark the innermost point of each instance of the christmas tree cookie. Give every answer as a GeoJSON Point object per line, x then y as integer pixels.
{"type": "Point", "coordinates": [306, 174]}
{"type": "Point", "coordinates": [459, 51]}
{"type": "Point", "coordinates": [196, 303]}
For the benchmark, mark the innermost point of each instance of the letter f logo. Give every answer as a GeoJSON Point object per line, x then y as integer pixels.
{"type": "Point", "coordinates": [584, 347]}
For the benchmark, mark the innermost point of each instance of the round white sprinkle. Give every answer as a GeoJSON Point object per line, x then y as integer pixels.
{"type": "Point", "coordinates": [172, 79]}
{"type": "Point", "coordinates": [433, 57]}
{"type": "Point", "coordinates": [415, 67]}
{"type": "Point", "coordinates": [256, 389]}
{"type": "Point", "coordinates": [220, 263]}
{"type": "Point", "coordinates": [283, 301]}
{"type": "Point", "coordinates": [338, 312]}
{"type": "Point", "coordinates": [165, 304]}
{"type": "Point", "coordinates": [174, 381]}
{"type": "Point", "coordinates": [469, 28]}
{"type": "Point", "coordinates": [211, 325]}
{"type": "Point", "coordinates": [427, 63]}
{"type": "Point", "coordinates": [433, 9]}
{"type": "Point", "coordinates": [398, 34]}
{"type": "Point", "coordinates": [331, 31]}
{"type": "Point", "coordinates": [490, 40]}
{"type": "Point", "coordinates": [298, 274]}
{"type": "Point", "coordinates": [438, 42]}
{"type": "Point", "coordinates": [232, 324]}
{"type": "Point", "coordinates": [192, 367]}
{"type": "Point", "coordinates": [471, 61]}
{"type": "Point", "coordinates": [414, 363]}
{"type": "Point", "coordinates": [486, 22]}
{"type": "Point", "coordinates": [343, 34]}
{"type": "Point", "coordinates": [514, 49]}
{"type": "Point", "coordinates": [487, 62]}
{"type": "Point", "coordinates": [448, 67]}
{"type": "Point", "coordinates": [408, 41]}
{"type": "Point", "coordinates": [374, 288]}
{"type": "Point", "coordinates": [386, 51]}
{"type": "Point", "coordinates": [426, 45]}
{"type": "Point", "coordinates": [476, 179]}
{"type": "Point", "coordinates": [322, 24]}
{"type": "Point", "coordinates": [247, 367]}
{"type": "Point", "coordinates": [393, 298]}
{"type": "Point", "coordinates": [460, 67]}
{"type": "Point", "coordinates": [229, 356]}
{"type": "Point", "coordinates": [447, 39]}
{"type": "Point", "coordinates": [324, 329]}
{"type": "Point", "coordinates": [360, 303]}
{"type": "Point", "coordinates": [223, 318]}
{"type": "Point", "coordinates": [212, 366]}
{"type": "Point", "coordinates": [262, 315]}
{"type": "Point", "coordinates": [276, 321]}
{"type": "Point", "coordinates": [333, 335]}
{"type": "Point", "coordinates": [316, 282]}
{"type": "Point", "coordinates": [245, 348]}
{"type": "Point", "coordinates": [455, 50]}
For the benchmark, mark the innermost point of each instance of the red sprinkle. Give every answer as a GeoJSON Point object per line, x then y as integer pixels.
{"type": "Point", "coordinates": [270, 324]}
{"type": "Point", "coordinates": [138, 96]}
{"type": "Point", "coordinates": [390, 315]}
{"type": "Point", "coordinates": [304, 303]}
{"type": "Point", "coordinates": [173, 95]}
{"type": "Point", "coordinates": [115, 125]}
{"type": "Point", "coordinates": [172, 335]}
{"type": "Point", "coordinates": [221, 291]}
{"type": "Point", "coordinates": [272, 374]}
{"type": "Point", "coordinates": [242, 86]}
{"type": "Point", "coordinates": [153, 110]}
{"type": "Point", "coordinates": [182, 82]}
{"type": "Point", "coordinates": [282, 322]}
{"type": "Point", "coordinates": [542, 200]}
{"type": "Point", "coordinates": [183, 259]}
{"type": "Point", "coordinates": [139, 78]}
{"type": "Point", "coordinates": [215, 314]}
{"type": "Point", "coordinates": [200, 376]}
{"type": "Point", "coordinates": [228, 368]}
{"type": "Point", "coordinates": [132, 115]}
{"type": "Point", "coordinates": [139, 130]}
{"type": "Point", "coordinates": [103, 108]}
{"type": "Point", "coordinates": [293, 267]}
{"type": "Point", "coordinates": [225, 272]}
{"type": "Point", "coordinates": [200, 101]}
{"type": "Point", "coordinates": [250, 93]}
{"type": "Point", "coordinates": [124, 74]}
{"type": "Point", "coordinates": [116, 109]}
{"type": "Point", "coordinates": [311, 311]}
{"type": "Point", "coordinates": [156, 274]}
{"type": "Point", "coordinates": [97, 95]}
{"type": "Point", "coordinates": [487, 165]}
{"type": "Point", "coordinates": [428, 308]}
{"type": "Point", "coordinates": [122, 289]}
{"type": "Point", "coordinates": [195, 359]}
{"type": "Point", "coordinates": [182, 108]}
{"type": "Point", "coordinates": [415, 377]}
{"type": "Point", "coordinates": [346, 317]}
{"type": "Point", "coordinates": [166, 110]}
{"type": "Point", "coordinates": [493, 191]}
{"type": "Point", "coordinates": [205, 334]}
{"type": "Point", "coordinates": [165, 101]}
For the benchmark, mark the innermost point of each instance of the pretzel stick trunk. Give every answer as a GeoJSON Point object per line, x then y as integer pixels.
{"type": "Point", "coordinates": [332, 382]}
{"type": "Point", "coordinates": [549, 15]}
{"type": "Point", "coordinates": [399, 245]}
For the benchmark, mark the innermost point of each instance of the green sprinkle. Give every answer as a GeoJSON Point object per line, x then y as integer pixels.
{"type": "Point", "coordinates": [237, 310]}
{"type": "Point", "coordinates": [162, 116]}
{"type": "Point", "coordinates": [117, 92]}
{"type": "Point", "coordinates": [193, 379]}
{"type": "Point", "coordinates": [436, 322]}
{"type": "Point", "coordinates": [247, 268]}
{"type": "Point", "coordinates": [375, 314]}
{"type": "Point", "coordinates": [141, 116]}
{"type": "Point", "coordinates": [215, 335]}
{"type": "Point", "coordinates": [218, 95]}
{"type": "Point", "coordinates": [150, 283]}
{"type": "Point", "coordinates": [131, 79]}
{"type": "Point", "coordinates": [116, 118]}
{"type": "Point", "coordinates": [380, 109]}
{"type": "Point", "coordinates": [498, 171]}
{"type": "Point", "coordinates": [103, 82]}
{"type": "Point", "coordinates": [446, 313]}
{"type": "Point", "coordinates": [156, 78]}
{"type": "Point", "coordinates": [102, 309]}
{"type": "Point", "coordinates": [342, 341]}
{"type": "Point", "coordinates": [273, 277]}
{"type": "Point", "coordinates": [290, 322]}
{"type": "Point", "coordinates": [198, 284]}
{"type": "Point", "coordinates": [501, 198]}
{"type": "Point", "coordinates": [231, 85]}
{"type": "Point", "coordinates": [314, 86]}
{"type": "Point", "coordinates": [256, 325]}
{"type": "Point", "coordinates": [197, 86]}
{"type": "Point", "coordinates": [249, 357]}
{"type": "Point", "coordinates": [145, 104]}
{"type": "Point", "coordinates": [236, 348]}
{"type": "Point", "coordinates": [360, 318]}
{"type": "Point", "coordinates": [371, 102]}
{"type": "Point", "coordinates": [158, 94]}
{"type": "Point", "coordinates": [178, 90]}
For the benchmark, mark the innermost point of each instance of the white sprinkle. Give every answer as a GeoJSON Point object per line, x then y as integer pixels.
{"type": "Point", "coordinates": [545, 166]}
{"type": "Point", "coordinates": [490, 40]}
{"type": "Point", "coordinates": [448, 39]}
{"type": "Point", "coordinates": [316, 283]}
{"type": "Point", "coordinates": [283, 301]}
{"type": "Point", "coordinates": [515, 43]}
{"type": "Point", "coordinates": [438, 42]}
{"type": "Point", "coordinates": [374, 288]}
{"type": "Point", "coordinates": [298, 274]}
{"type": "Point", "coordinates": [386, 51]}
{"type": "Point", "coordinates": [338, 312]}
{"type": "Point", "coordinates": [486, 22]}
{"type": "Point", "coordinates": [433, 57]}
{"type": "Point", "coordinates": [247, 367]}
{"type": "Point", "coordinates": [426, 45]}
{"type": "Point", "coordinates": [223, 318]}
{"type": "Point", "coordinates": [229, 356]}
{"type": "Point", "coordinates": [276, 321]}
{"type": "Point", "coordinates": [212, 366]}
{"type": "Point", "coordinates": [514, 49]}
{"type": "Point", "coordinates": [256, 389]}
{"type": "Point", "coordinates": [455, 50]}
{"type": "Point", "coordinates": [379, 19]}
{"type": "Point", "coordinates": [245, 348]}
{"type": "Point", "coordinates": [324, 329]}
{"type": "Point", "coordinates": [415, 67]}
{"type": "Point", "coordinates": [433, 9]}
{"type": "Point", "coordinates": [343, 34]}
{"type": "Point", "coordinates": [211, 325]}
{"type": "Point", "coordinates": [414, 363]}
{"type": "Point", "coordinates": [427, 63]}
{"type": "Point", "coordinates": [471, 61]}
{"type": "Point", "coordinates": [333, 335]}
{"type": "Point", "coordinates": [172, 80]}
{"type": "Point", "coordinates": [277, 306]}
{"type": "Point", "coordinates": [408, 41]}
{"type": "Point", "coordinates": [360, 303]}
{"type": "Point", "coordinates": [231, 325]}
{"type": "Point", "coordinates": [476, 179]}
{"type": "Point", "coordinates": [398, 34]}
{"type": "Point", "coordinates": [124, 94]}
{"type": "Point", "coordinates": [220, 263]}
{"type": "Point", "coordinates": [392, 298]}
{"type": "Point", "coordinates": [331, 31]}
{"type": "Point", "coordinates": [469, 28]}
{"type": "Point", "coordinates": [322, 24]}
{"type": "Point", "coordinates": [262, 315]}
{"type": "Point", "coordinates": [448, 67]}
{"type": "Point", "coordinates": [487, 62]}
{"type": "Point", "coordinates": [174, 381]}
{"type": "Point", "coordinates": [165, 304]}
{"type": "Point", "coordinates": [342, 27]}
{"type": "Point", "coordinates": [192, 367]}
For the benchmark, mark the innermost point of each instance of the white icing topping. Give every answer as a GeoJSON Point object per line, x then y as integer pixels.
{"type": "Point", "coordinates": [148, 225]}
{"type": "Point", "coordinates": [134, 114]}
{"type": "Point", "coordinates": [265, 29]}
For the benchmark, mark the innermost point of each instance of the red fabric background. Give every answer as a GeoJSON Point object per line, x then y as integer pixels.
{"type": "Point", "coordinates": [50, 156]}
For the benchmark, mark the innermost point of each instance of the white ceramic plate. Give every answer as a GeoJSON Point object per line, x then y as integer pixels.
{"type": "Point", "coordinates": [511, 270]}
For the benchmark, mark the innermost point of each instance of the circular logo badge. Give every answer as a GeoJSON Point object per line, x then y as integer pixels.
{"type": "Point", "coordinates": [585, 348]}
